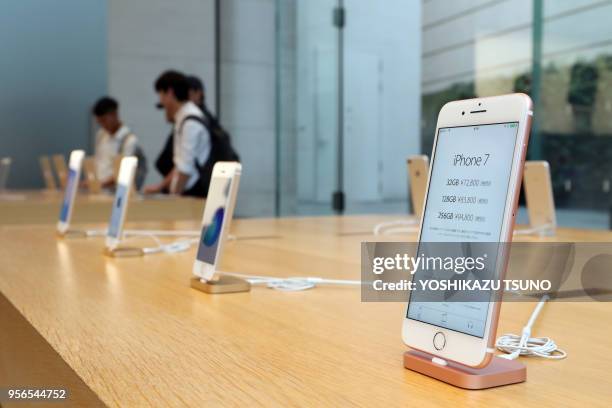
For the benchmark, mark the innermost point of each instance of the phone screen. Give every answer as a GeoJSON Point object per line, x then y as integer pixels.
{"type": "Point", "coordinates": [114, 226]}
{"type": "Point", "coordinates": [467, 197]}
{"type": "Point", "coordinates": [214, 215]}
{"type": "Point", "coordinates": [71, 184]}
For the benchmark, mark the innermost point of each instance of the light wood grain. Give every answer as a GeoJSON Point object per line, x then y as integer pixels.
{"type": "Point", "coordinates": [27, 359]}
{"type": "Point", "coordinates": [138, 335]}
{"type": "Point", "coordinates": [43, 207]}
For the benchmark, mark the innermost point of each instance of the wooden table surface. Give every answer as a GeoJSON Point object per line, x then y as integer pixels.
{"type": "Point", "coordinates": [136, 334]}
{"type": "Point", "coordinates": [43, 207]}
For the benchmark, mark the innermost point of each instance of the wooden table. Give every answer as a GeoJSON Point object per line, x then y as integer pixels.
{"type": "Point", "coordinates": [132, 333]}
{"type": "Point", "coordinates": [43, 207]}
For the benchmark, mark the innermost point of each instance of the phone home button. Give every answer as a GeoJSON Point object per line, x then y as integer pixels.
{"type": "Point", "coordinates": [439, 341]}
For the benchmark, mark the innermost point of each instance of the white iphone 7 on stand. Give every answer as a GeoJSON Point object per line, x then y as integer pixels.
{"type": "Point", "coordinates": [472, 195]}
{"type": "Point", "coordinates": [127, 171]}
{"type": "Point", "coordinates": [72, 185]}
{"type": "Point", "coordinates": [218, 214]}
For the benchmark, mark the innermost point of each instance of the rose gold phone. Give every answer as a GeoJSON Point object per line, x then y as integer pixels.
{"type": "Point", "coordinates": [418, 170]}
{"type": "Point", "coordinates": [539, 195]}
{"type": "Point", "coordinates": [471, 199]}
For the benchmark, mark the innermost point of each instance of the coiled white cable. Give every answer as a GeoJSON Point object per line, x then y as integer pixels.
{"type": "Point", "coordinates": [170, 248]}
{"type": "Point", "coordinates": [525, 345]}
{"type": "Point", "coordinates": [397, 226]}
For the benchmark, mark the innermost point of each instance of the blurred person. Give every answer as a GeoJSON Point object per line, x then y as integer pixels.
{"type": "Point", "coordinates": [112, 140]}
{"type": "Point", "coordinates": [164, 163]}
{"type": "Point", "coordinates": [191, 141]}
{"type": "Point", "coordinates": [197, 93]}
{"type": "Point", "coordinates": [221, 139]}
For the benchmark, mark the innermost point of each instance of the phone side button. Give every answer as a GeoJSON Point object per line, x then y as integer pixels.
{"type": "Point", "coordinates": [439, 341]}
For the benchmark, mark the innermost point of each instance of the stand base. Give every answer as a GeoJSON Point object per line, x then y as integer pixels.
{"type": "Point", "coordinates": [499, 371]}
{"type": "Point", "coordinates": [123, 252]}
{"type": "Point", "coordinates": [72, 234]}
{"type": "Point", "coordinates": [225, 284]}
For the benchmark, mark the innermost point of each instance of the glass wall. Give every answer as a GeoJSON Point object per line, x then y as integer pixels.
{"type": "Point", "coordinates": [559, 52]}
{"type": "Point", "coordinates": [307, 106]}
{"type": "Point", "coordinates": [348, 90]}
{"type": "Point", "coordinates": [576, 104]}
{"type": "Point", "coordinates": [472, 48]}
{"type": "Point", "coordinates": [354, 101]}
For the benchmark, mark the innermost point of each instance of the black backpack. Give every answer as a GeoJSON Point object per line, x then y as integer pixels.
{"type": "Point", "coordinates": [221, 149]}
{"type": "Point", "coordinates": [165, 162]}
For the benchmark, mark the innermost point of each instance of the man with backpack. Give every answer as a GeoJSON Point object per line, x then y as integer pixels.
{"type": "Point", "coordinates": [197, 144]}
{"type": "Point", "coordinates": [164, 163]}
{"type": "Point", "coordinates": [112, 140]}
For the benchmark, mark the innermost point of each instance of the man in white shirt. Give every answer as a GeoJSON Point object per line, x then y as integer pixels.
{"type": "Point", "coordinates": [113, 139]}
{"type": "Point", "coordinates": [192, 142]}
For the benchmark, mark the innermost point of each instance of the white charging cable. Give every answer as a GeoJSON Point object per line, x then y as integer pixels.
{"type": "Point", "coordinates": [157, 233]}
{"type": "Point", "coordinates": [291, 284]}
{"type": "Point", "coordinates": [525, 345]}
{"type": "Point", "coordinates": [170, 248]}
{"type": "Point", "coordinates": [140, 233]}
{"type": "Point", "coordinates": [541, 230]}
{"type": "Point", "coordinates": [396, 227]}
{"type": "Point", "coordinates": [95, 233]}
{"type": "Point", "coordinates": [163, 233]}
